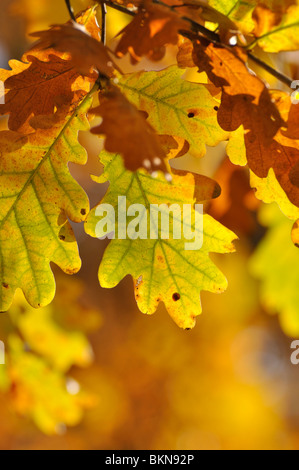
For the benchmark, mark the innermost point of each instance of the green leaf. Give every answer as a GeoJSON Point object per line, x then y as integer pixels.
{"type": "Point", "coordinates": [176, 107]}
{"type": "Point", "coordinates": [37, 196]}
{"type": "Point", "coordinates": [273, 23]}
{"type": "Point", "coordinates": [275, 263]}
{"type": "Point", "coordinates": [162, 269]}
{"type": "Point", "coordinates": [240, 12]}
{"type": "Point", "coordinates": [274, 37]}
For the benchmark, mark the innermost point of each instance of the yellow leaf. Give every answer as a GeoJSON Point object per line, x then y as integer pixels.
{"type": "Point", "coordinates": [33, 385]}
{"type": "Point", "coordinates": [274, 35]}
{"type": "Point", "coordinates": [40, 350]}
{"type": "Point", "coordinates": [176, 107]}
{"type": "Point", "coordinates": [276, 255]}
{"type": "Point", "coordinates": [162, 269]}
{"type": "Point", "coordinates": [37, 196]}
{"type": "Point", "coordinates": [60, 348]}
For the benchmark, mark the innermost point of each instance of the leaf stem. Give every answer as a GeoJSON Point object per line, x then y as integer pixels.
{"type": "Point", "coordinates": [104, 17]}
{"type": "Point", "coordinates": [211, 36]}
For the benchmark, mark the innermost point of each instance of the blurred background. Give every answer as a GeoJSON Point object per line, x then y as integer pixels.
{"type": "Point", "coordinates": [91, 372]}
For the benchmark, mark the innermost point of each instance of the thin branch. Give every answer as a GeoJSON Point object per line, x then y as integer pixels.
{"type": "Point", "coordinates": [104, 17]}
{"type": "Point", "coordinates": [70, 10]}
{"type": "Point", "coordinates": [275, 73]}
{"type": "Point", "coordinates": [120, 8]}
{"type": "Point", "coordinates": [211, 36]}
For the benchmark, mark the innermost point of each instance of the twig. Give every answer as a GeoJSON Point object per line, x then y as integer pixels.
{"type": "Point", "coordinates": [120, 8]}
{"type": "Point", "coordinates": [280, 76]}
{"type": "Point", "coordinates": [104, 16]}
{"type": "Point", "coordinates": [70, 10]}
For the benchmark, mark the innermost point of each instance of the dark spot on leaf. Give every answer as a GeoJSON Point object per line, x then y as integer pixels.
{"type": "Point", "coordinates": [191, 115]}
{"type": "Point", "coordinates": [62, 237]}
{"type": "Point", "coordinates": [6, 286]}
{"type": "Point", "coordinates": [83, 211]}
{"type": "Point", "coordinates": [216, 108]}
{"type": "Point", "coordinates": [176, 297]}
{"type": "Point", "coordinates": [71, 272]}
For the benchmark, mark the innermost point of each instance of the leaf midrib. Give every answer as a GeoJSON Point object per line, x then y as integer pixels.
{"type": "Point", "coordinates": [46, 156]}
{"type": "Point", "coordinates": [277, 30]}
{"type": "Point", "coordinates": [160, 241]}
{"type": "Point", "coordinates": [179, 112]}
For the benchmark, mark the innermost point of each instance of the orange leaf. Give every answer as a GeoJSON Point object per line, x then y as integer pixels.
{"type": "Point", "coordinates": [44, 83]}
{"type": "Point", "coordinates": [247, 102]}
{"type": "Point", "coordinates": [87, 53]}
{"type": "Point", "coordinates": [149, 32]}
{"type": "Point", "coordinates": [38, 90]}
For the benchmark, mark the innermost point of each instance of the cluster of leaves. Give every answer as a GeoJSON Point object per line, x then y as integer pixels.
{"type": "Point", "coordinates": [148, 118]}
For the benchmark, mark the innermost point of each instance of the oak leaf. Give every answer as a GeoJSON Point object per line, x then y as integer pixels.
{"type": "Point", "coordinates": [127, 132]}
{"type": "Point", "coordinates": [149, 32]}
{"type": "Point", "coordinates": [37, 197]}
{"type": "Point", "coordinates": [44, 83]}
{"type": "Point", "coordinates": [277, 30]}
{"type": "Point", "coordinates": [246, 102]}
{"type": "Point", "coordinates": [201, 12]}
{"type": "Point", "coordinates": [162, 270]}
{"type": "Point", "coordinates": [246, 15]}
{"type": "Point", "coordinates": [38, 89]}
{"type": "Point", "coordinates": [240, 13]}
{"type": "Point", "coordinates": [280, 157]}
{"type": "Point", "coordinates": [176, 107]}
{"type": "Point", "coordinates": [87, 53]}
{"type": "Point", "coordinates": [237, 203]}
{"type": "Point", "coordinates": [269, 190]}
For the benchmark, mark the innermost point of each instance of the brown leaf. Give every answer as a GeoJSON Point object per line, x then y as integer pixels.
{"type": "Point", "coordinates": [149, 32]}
{"type": "Point", "coordinates": [247, 102]}
{"type": "Point", "coordinates": [87, 53]}
{"type": "Point", "coordinates": [38, 90]}
{"type": "Point", "coordinates": [201, 12]}
{"type": "Point", "coordinates": [292, 131]}
{"type": "Point", "coordinates": [245, 98]}
{"type": "Point", "coordinates": [44, 83]}
{"type": "Point", "coordinates": [128, 132]}
{"type": "Point", "coordinates": [237, 205]}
